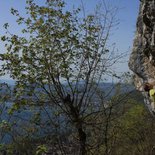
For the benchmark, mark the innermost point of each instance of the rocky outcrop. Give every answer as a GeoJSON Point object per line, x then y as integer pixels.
{"type": "Point", "coordinates": [142, 59]}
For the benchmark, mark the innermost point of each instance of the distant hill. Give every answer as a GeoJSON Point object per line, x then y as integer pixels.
{"type": "Point", "coordinates": [10, 82]}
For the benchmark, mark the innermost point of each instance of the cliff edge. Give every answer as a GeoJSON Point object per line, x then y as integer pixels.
{"type": "Point", "coordinates": [142, 58]}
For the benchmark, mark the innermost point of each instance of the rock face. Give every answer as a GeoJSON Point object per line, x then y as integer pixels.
{"type": "Point", "coordinates": [142, 59]}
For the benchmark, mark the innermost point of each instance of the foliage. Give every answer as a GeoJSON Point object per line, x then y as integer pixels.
{"type": "Point", "coordinates": [58, 62]}
{"type": "Point", "coordinates": [41, 149]}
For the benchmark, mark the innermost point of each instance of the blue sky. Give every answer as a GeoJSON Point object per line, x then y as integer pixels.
{"type": "Point", "coordinates": [122, 36]}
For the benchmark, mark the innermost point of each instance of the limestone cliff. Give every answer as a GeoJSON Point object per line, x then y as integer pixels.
{"type": "Point", "coordinates": [142, 59]}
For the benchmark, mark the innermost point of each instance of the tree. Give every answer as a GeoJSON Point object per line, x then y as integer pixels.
{"type": "Point", "coordinates": [59, 63]}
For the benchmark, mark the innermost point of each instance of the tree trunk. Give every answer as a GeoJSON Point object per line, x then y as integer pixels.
{"type": "Point", "coordinates": [82, 139]}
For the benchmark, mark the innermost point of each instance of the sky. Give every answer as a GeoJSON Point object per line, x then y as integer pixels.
{"type": "Point", "coordinates": [122, 35]}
